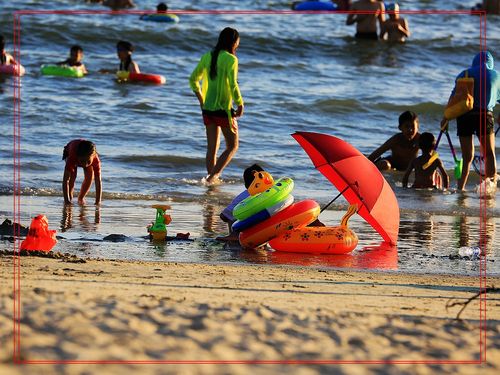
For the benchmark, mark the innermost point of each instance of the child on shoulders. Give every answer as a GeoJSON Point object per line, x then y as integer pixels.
{"type": "Point", "coordinates": [427, 166]}
{"type": "Point", "coordinates": [81, 153]}
{"type": "Point", "coordinates": [403, 145]}
{"type": "Point", "coordinates": [75, 58]}
{"type": "Point", "coordinates": [395, 27]}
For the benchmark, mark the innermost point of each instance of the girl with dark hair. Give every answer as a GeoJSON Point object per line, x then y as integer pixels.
{"type": "Point", "coordinates": [124, 51]}
{"type": "Point", "coordinates": [218, 71]}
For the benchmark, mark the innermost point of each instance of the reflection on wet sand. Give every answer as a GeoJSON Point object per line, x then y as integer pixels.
{"type": "Point", "coordinates": [85, 224]}
{"type": "Point", "coordinates": [376, 256]}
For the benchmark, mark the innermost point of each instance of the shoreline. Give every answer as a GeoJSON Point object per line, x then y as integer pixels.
{"type": "Point", "coordinates": [96, 309]}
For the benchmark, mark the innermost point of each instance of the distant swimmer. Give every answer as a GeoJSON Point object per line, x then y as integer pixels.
{"type": "Point", "coordinates": [370, 11]}
{"type": "Point", "coordinates": [81, 153]}
{"type": "Point", "coordinates": [403, 145]}
{"type": "Point", "coordinates": [161, 8]}
{"type": "Point", "coordinates": [427, 166]}
{"type": "Point", "coordinates": [396, 28]}
{"type": "Point", "coordinates": [124, 51]}
{"type": "Point", "coordinates": [75, 58]}
{"type": "Point", "coordinates": [5, 57]}
{"type": "Point", "coordinates": [118, 4]}
{"type": "Point", "coordinates": [218, 71]}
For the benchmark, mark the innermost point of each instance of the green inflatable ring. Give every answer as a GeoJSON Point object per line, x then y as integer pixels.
{"type": "Point", "coordinates": [251, 205]}
{"type": "Point", "coordinates": [61, 71]}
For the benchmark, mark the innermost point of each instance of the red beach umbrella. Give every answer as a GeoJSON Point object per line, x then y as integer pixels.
{"type": "Point", "coordinates": [357, 178]}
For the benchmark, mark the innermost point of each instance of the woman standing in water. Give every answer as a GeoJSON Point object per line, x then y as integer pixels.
{"type": "Point", "coordinates": [218, 71]}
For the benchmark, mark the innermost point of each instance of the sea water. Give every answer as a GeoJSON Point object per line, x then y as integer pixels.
{"type": "Point", "coordinates": [297, 72]}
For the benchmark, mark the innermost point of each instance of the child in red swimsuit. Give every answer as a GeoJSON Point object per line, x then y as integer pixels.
{"type": "Point", "coordinates": [81, 153]}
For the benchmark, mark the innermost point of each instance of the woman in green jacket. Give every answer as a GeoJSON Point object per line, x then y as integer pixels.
{"type": "Point", "coordinates": [218, 71]}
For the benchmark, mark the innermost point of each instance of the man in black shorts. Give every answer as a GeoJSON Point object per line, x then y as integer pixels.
{"type": "Point", "coordinates": [479, 120]}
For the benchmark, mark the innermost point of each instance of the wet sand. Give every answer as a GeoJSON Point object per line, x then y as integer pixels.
{"type": "Point", "coordinates": [93, 310]}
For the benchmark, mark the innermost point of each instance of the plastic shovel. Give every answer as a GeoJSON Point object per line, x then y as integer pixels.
{"type": "Point", "coordinates": [458, 163]}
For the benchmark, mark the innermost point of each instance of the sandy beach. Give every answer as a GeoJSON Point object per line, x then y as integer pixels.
{"type": "Point", "coordinates": [103, 310]}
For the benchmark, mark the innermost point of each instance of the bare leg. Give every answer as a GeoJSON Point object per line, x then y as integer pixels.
{"type": "Point", "coordinates": [488, 146]}
{"type": "Point", "coordinates": [224, 159]}
{"type": "Point", "coordinates": [467, 146]}
{"type": "Point", "coordinates": [87, 182]}
{"type": "Point", "coordinates": [213, 141]}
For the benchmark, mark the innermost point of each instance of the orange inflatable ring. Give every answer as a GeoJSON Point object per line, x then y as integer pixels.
{"type": "Point", "coordinates": [124, 76]}
{"type": "Point", "coordinates": [295, 216]}
{"type": "Point", "coordinates": [319, 240]}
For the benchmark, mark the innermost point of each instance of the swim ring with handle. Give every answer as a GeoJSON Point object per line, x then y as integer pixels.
{"type": "Point", "coordinates": [253, 204]}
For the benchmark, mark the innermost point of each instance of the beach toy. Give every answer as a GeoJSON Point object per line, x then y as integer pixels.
{"type": "Point", "coordinates": [158, 229]}
{"type": "Point", "coordinates": [319, 240]}
{"type": "Point", "coordinates": [314, 5]}
{"type": "Point", "coordinates": [12, 69]}
{"type": "Point", "coordinates": [61, 71]}
{"type": "Point", "coordinates": [39, 236]}
{"type": "Point", "coordinates": [261, 182]}
{"type": "Point", "coordinates": [253, 204]}
{"type": "Point", "coordinates": [458, 163]}
{"type": "Point", "coordinates": [239, 226]}
{"type": "Point", "coordinates": [124, 76]}
{"type": "Point", "coordinates": [295, 216]}
{"type": "Point", "coordinates": [434, 156]}
{"type": "Point", "coordinates": [160, 17]}
{"type": "Point", "coordinates": [463, 99]}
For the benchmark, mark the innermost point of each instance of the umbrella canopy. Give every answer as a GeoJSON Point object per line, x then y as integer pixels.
{"type": "Point", "coordinates": [348, 169]}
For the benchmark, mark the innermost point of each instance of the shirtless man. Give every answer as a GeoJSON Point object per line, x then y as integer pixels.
{"type": "Point", "coordinates": [366, 20]}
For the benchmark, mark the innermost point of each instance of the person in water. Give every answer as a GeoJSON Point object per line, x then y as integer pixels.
{"type": "Point", "coordinates": [403, 145]}
{"type": "Point", "coordinates": [486, 96]}
{"type": "Point", "coordinates": [75, 58]}
{"type": "Point", "coordinates": [218, 70]}
{"type": "Point", "coordinates": [227, 214]}
{"type": "Point", "coordinates": [370, 11]}
{"type": "Point", "coordinates": [161, 8]}
{"type": "Point", "coordinates": [427, 166]}
{"type": "Point", "coordinates": [124, 51]}
{"type": "Point", "coordinates": [5, 57]}
{"type": "Point", "coordinates": [118, 4]}
{"type": "Point", "coordinates": [81, 153]}
{"type": "Point", "coordinates": [396, 27]}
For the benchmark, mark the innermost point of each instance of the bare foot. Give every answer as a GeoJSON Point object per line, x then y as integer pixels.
{"type": "Point", "coordinates": [213, 180]}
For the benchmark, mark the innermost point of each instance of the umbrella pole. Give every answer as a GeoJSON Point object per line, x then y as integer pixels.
{"type": "Point", "coordinates": [334, 199]}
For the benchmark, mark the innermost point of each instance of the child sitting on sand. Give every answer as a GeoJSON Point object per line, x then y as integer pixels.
{"type": "Point", "coordinates": [75, 58]}
{"type": "Point", "coordinates": [124, 50]}
{"type": "Point", "coordinates": [403, 146]}
{"type": "Point", "coordinates": [426, 166]}
{"type": "Point", "coordinates": [227, 214]}
{"type": "Point", "coordinates": [81, 153]}
{"type": "Point", "coordinates": [5, 58]}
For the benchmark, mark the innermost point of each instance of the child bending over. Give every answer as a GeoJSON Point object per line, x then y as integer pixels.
{"type": "Point", "coordinates": [81, 153]}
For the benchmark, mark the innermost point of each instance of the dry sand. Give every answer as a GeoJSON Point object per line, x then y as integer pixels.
{"type": "Point", "coordinates": [136, 311]}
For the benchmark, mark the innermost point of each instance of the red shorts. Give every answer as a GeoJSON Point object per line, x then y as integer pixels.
{"type": "Point", "coordinates": [219, 118]}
